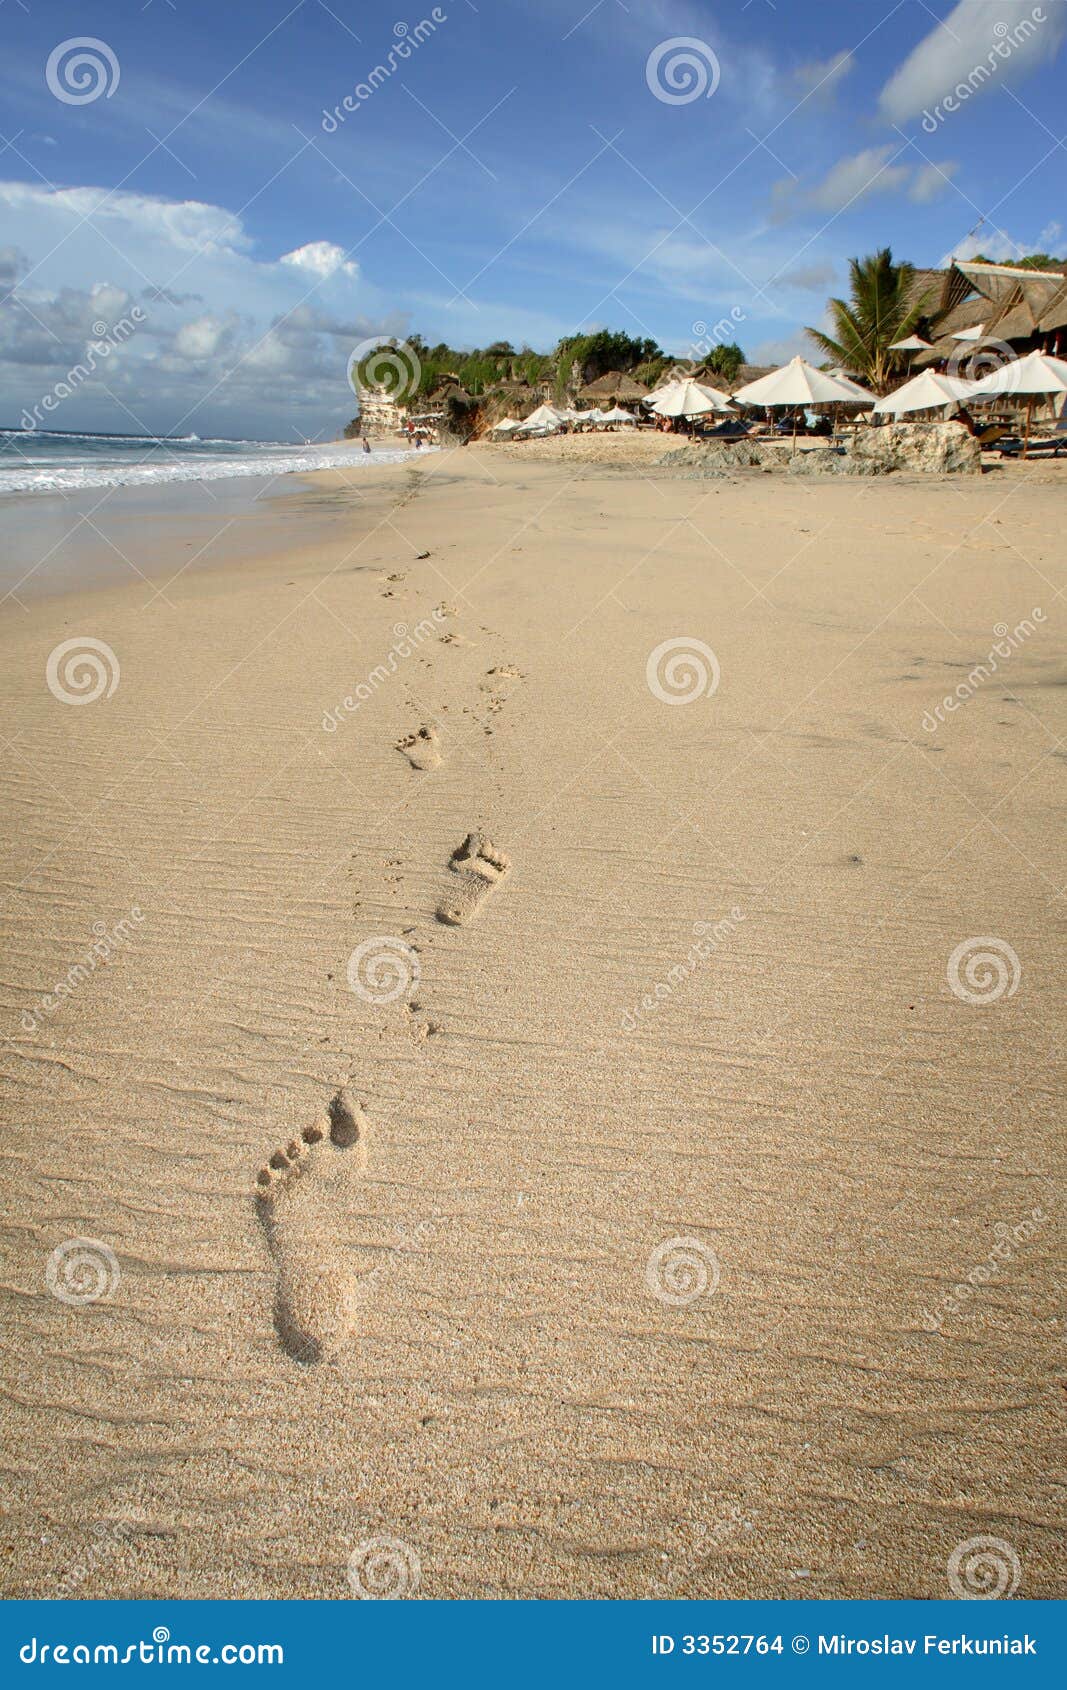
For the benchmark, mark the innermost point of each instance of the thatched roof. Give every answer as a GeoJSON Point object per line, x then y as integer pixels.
{"type": "Point", "coordinates": [1011, 302]}
{"type": "Point", "coordinates": [936, 291]}
{"type": "Point", "coordinates": [617, 384]}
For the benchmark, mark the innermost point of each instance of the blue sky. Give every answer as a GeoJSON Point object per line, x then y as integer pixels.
{"type": "Point", "coordinates": [512, 171]}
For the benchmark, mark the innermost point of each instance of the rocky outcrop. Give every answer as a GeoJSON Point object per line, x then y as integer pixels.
{"type": "Point", "coordinates": [912, 448]}
{"type": "Point", "coordinates": [720, 457]}
{"type": "Point", "coordinates": [944, 448]}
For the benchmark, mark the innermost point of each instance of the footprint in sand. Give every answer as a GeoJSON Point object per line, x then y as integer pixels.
{"type": "Point", "coordinates": [478, 866]}
{"type": "Point", "coordinates": [298, 1194]}
{"type": "Point", "coordinates": [422, 748]}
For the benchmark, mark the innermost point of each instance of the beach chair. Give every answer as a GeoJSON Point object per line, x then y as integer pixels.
{"type": "Point", "coordinates": [1048, 445]}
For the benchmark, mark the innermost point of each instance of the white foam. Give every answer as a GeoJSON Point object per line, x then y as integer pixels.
{"type": "Point", "coordinates": [72, 475]}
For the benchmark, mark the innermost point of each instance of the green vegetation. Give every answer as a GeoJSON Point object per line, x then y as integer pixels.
{"type": "Point", "coordinates": [727, 360]}
{"type": "Point", "coordinates": [592, 355]}
{"type": "Point", "coordinates": [878, 314]}
{"type": "Point", "coordinates": [576, 360]}
{"type": "Point", "coordinates": [1032, 261]}
{"type": "Point", "coordinates": [476, 371]}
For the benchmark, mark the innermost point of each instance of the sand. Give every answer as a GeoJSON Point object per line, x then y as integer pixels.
{"type": "Point", "coordinates": [664, 1224]}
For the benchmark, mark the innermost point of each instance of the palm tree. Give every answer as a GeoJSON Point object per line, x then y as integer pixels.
{"type": "Point", "coordinates": [879, 313]}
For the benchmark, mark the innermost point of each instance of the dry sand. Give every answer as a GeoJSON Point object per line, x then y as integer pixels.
{"type": "Point", "coordinates": [624, 1265]}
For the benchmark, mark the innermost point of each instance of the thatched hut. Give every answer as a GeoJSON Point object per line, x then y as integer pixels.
{"type": "Point", "coordinates": [618, 386]}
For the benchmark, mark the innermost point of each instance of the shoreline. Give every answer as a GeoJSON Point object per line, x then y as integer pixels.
{"type": "Point", "coordinates": [677, 1153]}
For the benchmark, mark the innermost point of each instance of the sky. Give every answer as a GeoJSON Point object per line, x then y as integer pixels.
{"type": "Point", "coordinates": [191, 191]}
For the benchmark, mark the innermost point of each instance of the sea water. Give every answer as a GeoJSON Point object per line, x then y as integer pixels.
{"type": "Point", "coordinates": [41, 461]}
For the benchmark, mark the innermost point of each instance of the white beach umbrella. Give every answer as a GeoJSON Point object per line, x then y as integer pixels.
{"type": "Point", "coordinates": [545, 416]}
{"type": "Point", "coordinates": [914, 343]}
{"type": "Point", "coordinates": [977, 333]}
{"type": "Point", "coordinates": [1036, 376]}
{"type": "Point", "coordinates": [1037, 373]}
{"type": "Point", "coordinates": [690, 399]}
{"type": "Point", "coordinates": [798, 383]}
{"type": "Point", "coordinates": [859, 392]}
{"type": "Point", "coordinates": [925, 392]}
{"type": "Point", "coordinates": [505, 425]}
{"type": "Point", "coordinates": [618, 415]}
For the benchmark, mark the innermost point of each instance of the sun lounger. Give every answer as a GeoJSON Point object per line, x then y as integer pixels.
{"type": "Point", "coordinates": [1045, 445]}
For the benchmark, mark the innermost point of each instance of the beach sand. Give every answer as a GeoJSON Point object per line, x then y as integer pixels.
{"type": "Point", "coordinates": [617, 1206]}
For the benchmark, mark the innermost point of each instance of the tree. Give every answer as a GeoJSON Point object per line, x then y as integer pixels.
{"type": "Point", "coordinates": [726, 360]}
{"type": "Point", "coordinates": [1032, 261]}
{"type": "Point", "coordinates": [880, 312]}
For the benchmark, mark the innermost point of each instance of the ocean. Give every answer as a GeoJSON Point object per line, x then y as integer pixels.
{"type": "Point", "coordinates": [52, 462]}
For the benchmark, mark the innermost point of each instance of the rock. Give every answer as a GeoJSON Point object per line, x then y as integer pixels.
{"type": "Point", "coordinates": [944, 448]}
{"type": "Point", "coordinates": [718, 457]}
{"type": "Point", "coordinates": [817, 463]}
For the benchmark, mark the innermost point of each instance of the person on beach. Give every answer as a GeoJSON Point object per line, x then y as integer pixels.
{"type": "Point", "coordinates": [366, 444]}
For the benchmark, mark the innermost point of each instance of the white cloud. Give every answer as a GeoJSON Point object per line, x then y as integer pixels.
{"type": "Point", "coordinates": [320, 258]}
{"type": "Point", "coordinates": [999, 246]}
{"type": "Point", "coordinates": [860, 174]}
{"type": "Point", "coordinates": [976, 46]}
{"type": "Point", "coordinates": [231, 340]}
{"type": "Point", "coordinates": [819, 78]}
{"type": "Point", "coordinates": [808, 278]}
{"type": "Point", "coordinates": [930, 180]}
{"type": "Point", "coordinates": [850, 180]}
{"type": "Point", "coordinates": [203, 338]}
